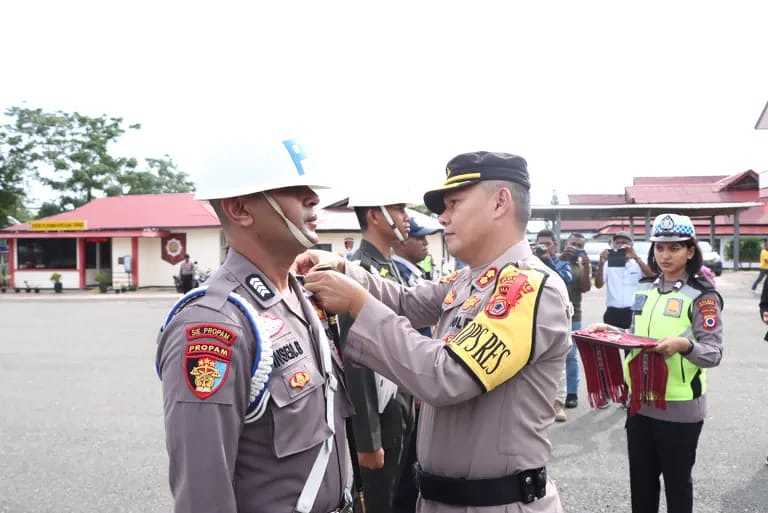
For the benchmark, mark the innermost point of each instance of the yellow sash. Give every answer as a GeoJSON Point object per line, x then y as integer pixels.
{"type": "Point", "coordinates": [500, 339]}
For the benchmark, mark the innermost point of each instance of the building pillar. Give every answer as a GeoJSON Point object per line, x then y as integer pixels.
{"type": "Point", "coordinates": [632, 226]}
{"type": "Point", "coordinates": [81, 261]}
{"type": "Point", "coordinates": [648, 225]}
{"type": "Point", "coordinates": [557, 227]}
{"type": "Point", "coordinates": [135, 261]}
{"type": "Point", "coordinates": [11, 262]}
{"type": "Point", "coordinates": [736, 241]}
{"type": "Point", "coordinates": [712, 232]}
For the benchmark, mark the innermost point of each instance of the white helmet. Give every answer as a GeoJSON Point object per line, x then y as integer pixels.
{"type": "Point", "coordinates": [240, 169]}
{"type": "Point", "coordinates": [380, 197]}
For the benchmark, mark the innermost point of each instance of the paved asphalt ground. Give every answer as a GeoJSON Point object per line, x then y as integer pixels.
{"type": "Point", "coordinates": [81, 421]}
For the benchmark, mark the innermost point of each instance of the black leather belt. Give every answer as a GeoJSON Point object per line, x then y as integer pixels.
{"type": "Point", "coordinates": [525, 486]}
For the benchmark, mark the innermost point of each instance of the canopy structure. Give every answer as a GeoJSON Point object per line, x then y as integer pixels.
{"type": "Point", "coordinates": [646, 212]}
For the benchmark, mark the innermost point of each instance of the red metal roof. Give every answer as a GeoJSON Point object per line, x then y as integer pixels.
{"type": "Point", "coordinates": [661, 180]}
{"type": "Point", "coordinates": [688, 193]}
{"type": "Point", "coordinates": [139, 211]}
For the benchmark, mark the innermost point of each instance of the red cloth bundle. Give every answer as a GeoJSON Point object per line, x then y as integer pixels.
{"type": "Point", "coordinates": [601, 359]}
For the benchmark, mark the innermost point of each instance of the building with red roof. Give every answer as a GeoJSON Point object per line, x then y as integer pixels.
{"type": "Point", "coordinates": [139, 240]}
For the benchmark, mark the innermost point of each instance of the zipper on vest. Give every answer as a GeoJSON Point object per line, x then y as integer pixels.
{"type": "Point", "coordinates": [653, 311]}
{"type": "Point", "coordinates": [682, 368]}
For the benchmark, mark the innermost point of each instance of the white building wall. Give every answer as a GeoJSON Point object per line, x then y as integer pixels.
{"type": "Point", "coordinates": [202, 247]}
{"type": "Point", "coordinates": [42, 279]}
{"type": "Point", "coordinates": [121, 246]}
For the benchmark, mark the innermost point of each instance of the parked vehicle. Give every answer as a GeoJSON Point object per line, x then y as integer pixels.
{"type": "Point", "coordinates": [712, 258]}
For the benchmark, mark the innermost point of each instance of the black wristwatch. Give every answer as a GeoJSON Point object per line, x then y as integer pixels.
{"type": "Point", "coordinates": [690, 348]}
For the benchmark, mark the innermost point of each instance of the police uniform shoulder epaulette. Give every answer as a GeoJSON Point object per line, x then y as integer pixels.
{"type": "Point", "coordinates": [699, 282]}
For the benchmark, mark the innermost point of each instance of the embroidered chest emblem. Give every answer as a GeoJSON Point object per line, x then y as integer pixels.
{"type": "Point", "coordinates": [450, 298]}
{"type": "Point", "coordinates": [450, 278]}
{"type": "Point", "coordinates": [486, 278]}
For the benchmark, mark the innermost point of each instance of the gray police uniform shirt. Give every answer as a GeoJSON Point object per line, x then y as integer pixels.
{"type": "Point", "coordinates": [217, 462]}
{"type": "Point", "coordinates": [463, 432]}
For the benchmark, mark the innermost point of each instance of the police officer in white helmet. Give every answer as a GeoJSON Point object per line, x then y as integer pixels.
{"type": "Point", "coordinates": [254, 400]}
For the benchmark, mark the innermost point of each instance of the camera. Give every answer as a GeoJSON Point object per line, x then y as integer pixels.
{"type": "Point", "coordinates": [540, 250]}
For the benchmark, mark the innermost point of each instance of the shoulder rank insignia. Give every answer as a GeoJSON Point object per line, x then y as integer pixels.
{"type": "Point", "coordinates": [259, 286]}
{"type": "Point", "coordinates": [211, 331]}
{"type": "Point", "coordinates": [471, 302]}
{"type": "Point", "coordinates": [206, 366]}
{"type": "Point", "coordinates": [486, 278]}
{"type": "Point", "coordinates": [450, 298]}
{"type": "Point", "coordinates": [450, 278]}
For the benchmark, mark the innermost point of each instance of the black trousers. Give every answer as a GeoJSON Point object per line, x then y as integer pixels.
{"type": "Point", "coordinates": [658, 447]}
{"type": "Point", "coordinates": [187, 282]}
{"type": "Point", "coordinates": [619, 317]}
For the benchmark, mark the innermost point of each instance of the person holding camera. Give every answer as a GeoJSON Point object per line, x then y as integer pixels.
{"type": "Point", "coordinates": [546, 249]}
{"type": "Point", "coordinates": [620, 269]}
{"type": "Point", "coordinates": [575, 255]}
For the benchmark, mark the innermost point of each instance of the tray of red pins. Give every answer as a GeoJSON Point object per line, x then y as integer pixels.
{"type": "Point", "coordinates": [613, 338]}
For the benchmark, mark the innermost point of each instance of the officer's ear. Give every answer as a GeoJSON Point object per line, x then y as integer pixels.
{"type": "Point", "coordinates": [237, 212]}
{"type": "Point", "coordinates": [504, 201]}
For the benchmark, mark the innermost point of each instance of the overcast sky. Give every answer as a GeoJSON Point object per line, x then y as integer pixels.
{"type": "Point", "coordinates": [590, 93]}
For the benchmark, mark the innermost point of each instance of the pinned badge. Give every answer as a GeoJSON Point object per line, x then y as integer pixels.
{"type": "Point", "coordinates": [470, 303]}
{"type": "Point", "coordinates": [450, 298]}
{"type": "Point", "coordinates": [299, 380]}
{"type": "Point", "coordinates": [486, 278]}
{"type": "Point", "coordinates": [450, 278]}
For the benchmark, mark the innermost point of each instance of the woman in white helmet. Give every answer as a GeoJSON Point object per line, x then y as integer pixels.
{"type": "Point", "coordinates": [682, 310]}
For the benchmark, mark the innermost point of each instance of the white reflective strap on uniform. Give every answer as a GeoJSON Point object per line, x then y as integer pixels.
{"type": "Point", "coordinates": [392, 224]}
{"type": "Point", "coordinates": [319, 467]}
{"type": "Point", "coordinates": [298, 234]}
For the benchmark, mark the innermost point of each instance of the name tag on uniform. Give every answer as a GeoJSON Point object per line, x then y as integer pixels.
{"type": "Point", "coordinates": [640, 300]}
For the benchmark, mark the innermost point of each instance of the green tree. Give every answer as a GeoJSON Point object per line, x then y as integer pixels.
{"type": "Point", "coordinates": [78, 162]}
{"type": "Point", "coordinates": [160, 176]}
{"type": "Point", "coordinates": [49, 208]}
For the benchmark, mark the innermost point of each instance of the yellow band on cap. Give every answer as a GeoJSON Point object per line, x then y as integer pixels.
{"type": "Point", "coordinates": [462, 178]}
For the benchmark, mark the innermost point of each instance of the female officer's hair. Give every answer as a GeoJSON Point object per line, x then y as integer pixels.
{"type": "Point", "coordinates": [691, 267]}
{"type": "Point", "coordinates": [520, 195]}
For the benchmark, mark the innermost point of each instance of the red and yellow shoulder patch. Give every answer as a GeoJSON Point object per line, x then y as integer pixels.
{"type": "Point", "coordinates": [708, 309]}
{"type": "Point", "coordinates": [206, 367]}
{"type": "Point", "coordinates": [510, 290]}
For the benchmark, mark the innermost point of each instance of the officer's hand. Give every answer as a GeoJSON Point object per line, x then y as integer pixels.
{"type": "Point", "coordinates": [371, 460]}
{"type": "Point", "coordinates": [671, 345]}
{"type": "Point", "coordinates": [630, 252]}
{"type": "Point", "coordinates": [765, 317]}
{"type": "Point", "coordinates": [311, 258]}
{"type": "Point", "coordinates": [603, 256]}
{"type": "Point", "coordinates": [568, 253]}
{"type": "Point", "coordinates": [336, 292]}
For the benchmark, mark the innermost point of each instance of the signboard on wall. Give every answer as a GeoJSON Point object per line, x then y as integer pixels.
{"type": "Point", "coordinates": [71, 225]}
{"type": "Point", "coordinates": [173, 248]}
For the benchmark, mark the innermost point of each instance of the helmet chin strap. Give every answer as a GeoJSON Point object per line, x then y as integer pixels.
{"type": "Point", "coordinates": [297, 234]}
{"type": "Point", "coordinates": [392, 224]}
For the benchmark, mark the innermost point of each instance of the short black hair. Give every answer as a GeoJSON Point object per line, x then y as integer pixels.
{"type": "Point", "coordinates": [546, 233]}
{"type": "Point", "coordinates": [693, 265]}
{"type": "Point", "coordinates": [577, 235]}
{"type": "Point", "coordinates": [362, 217]}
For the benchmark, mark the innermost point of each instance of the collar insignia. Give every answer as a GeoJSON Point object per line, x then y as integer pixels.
{"type": "Point", "coordinates": [486, 278]}
{"type": "Point", "coordinates": [259, 286]}
{"type": "Point", "coordinates": [450, 298]}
